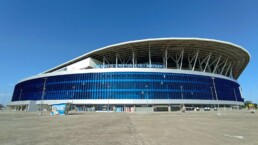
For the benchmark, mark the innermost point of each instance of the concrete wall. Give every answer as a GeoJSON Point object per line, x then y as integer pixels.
{"type": "Point", "coordinates": [143, 109]}
{"type": "Point", "coordinates": [33, 106]}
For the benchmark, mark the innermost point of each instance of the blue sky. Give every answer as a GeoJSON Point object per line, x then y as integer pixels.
{"type": "Point", "coordinates": [38, 35]}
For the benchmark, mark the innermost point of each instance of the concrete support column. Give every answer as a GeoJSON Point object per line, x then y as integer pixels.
{"type": "Point", "coordinates": [177, 65]}
{"type": "Point", "coordinates": [94, 108]}
{"type": "Point", "coordinates": [190, 66]}
{"type": "Point", "coordinates": [169, 108]}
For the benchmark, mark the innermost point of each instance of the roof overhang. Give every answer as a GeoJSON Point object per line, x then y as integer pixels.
{"type": "Point", "coordinates": [238, 54]}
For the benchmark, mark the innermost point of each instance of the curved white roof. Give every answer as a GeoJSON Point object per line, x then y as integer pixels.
{"type": "Point", "coordinates": [235, 54]}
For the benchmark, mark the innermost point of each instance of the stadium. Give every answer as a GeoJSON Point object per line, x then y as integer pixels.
{"type": "Point", "coordinates": [158, 74]}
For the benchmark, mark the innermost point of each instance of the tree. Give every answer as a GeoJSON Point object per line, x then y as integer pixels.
{"type": "Point", "coordinates": [247, 103]}
{"type": "Point", "coordinates": [2, 106]}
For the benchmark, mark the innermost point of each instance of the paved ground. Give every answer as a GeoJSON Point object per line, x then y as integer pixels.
{"type": "Point", "coordinates": [192, 128]}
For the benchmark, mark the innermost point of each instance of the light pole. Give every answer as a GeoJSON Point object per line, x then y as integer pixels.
{"type": "Point", "coordinates": [235, 96]}
{"type": "Point", "coordinates": [146, 86]}
{"type": "Point", "coordinates": [166, 91]}
{"type": "Point", "coordinates": [182, 96]}
{"type": "Point", "coordinates": [108, 86]}
{"type": "Point", "coordinates": [42, 96]}
{"type": "Point", "coordinates": [20, 98]}
{"type": "Point", "coordinates": [162, 87]}
{"type": "Point", "coordinates": [212, 97]}
{"type": "Point", "coordinates": [215, 91]}
{"type": "Point", "coordinates": [84, 106]}
{"type": "Point", "coordinates": [72, 106]}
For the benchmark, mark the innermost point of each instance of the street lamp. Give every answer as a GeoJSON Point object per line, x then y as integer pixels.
{"type": "Point", "coordinates": [42, 96]}
{"type": "Point", "coordinates": [182, 96]}
{"type": "Point", "coordinates": [72, 106]}
{"type": "Point", "coordinates": [146, 86]}
{"type": "Point", "coordinates": [235, 96]}
{"type": "Point", "coordinates": [215, 91]}
{"type": "Point", "coordinates": [20, 98]}
{"type": "Point", "coordinates": [108, 86]}
{"type": "Point", "coordinates": [212, 97]}
{"type": "Point", "coordinates": [161, 83]}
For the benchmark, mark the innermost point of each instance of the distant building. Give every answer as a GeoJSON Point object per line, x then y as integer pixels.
{"type": "Point", "coordinates": [163, 72]}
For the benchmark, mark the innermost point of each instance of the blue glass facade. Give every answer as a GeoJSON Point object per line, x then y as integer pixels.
{"type": "Point", "coordinates": [127, 85]}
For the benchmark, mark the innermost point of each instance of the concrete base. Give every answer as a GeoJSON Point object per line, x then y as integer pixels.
{"type": "Point", "coordinates": [29, 106]}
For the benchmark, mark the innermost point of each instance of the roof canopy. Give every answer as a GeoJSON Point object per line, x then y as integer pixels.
{"type": "Point", "coordinates": [195, 54]}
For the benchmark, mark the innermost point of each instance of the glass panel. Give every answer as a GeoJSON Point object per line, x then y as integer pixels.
{"type": "Point", "coordinates": [127, 85]}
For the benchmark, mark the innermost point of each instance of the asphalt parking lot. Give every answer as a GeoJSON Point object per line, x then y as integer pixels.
{"type": "Point", "coordinates": [107, 128]}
